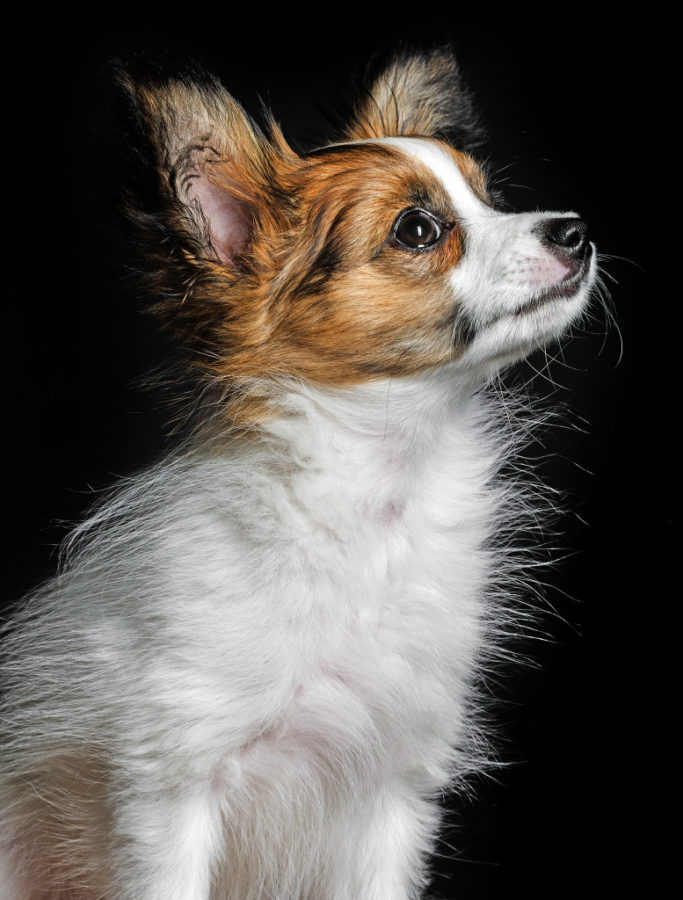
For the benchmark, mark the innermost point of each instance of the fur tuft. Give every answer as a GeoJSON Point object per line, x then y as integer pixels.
{"type": "Point", "coordinates": [417, 94]}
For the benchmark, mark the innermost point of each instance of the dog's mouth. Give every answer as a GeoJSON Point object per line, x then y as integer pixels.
{"type": "Point", "coordinates": [563, 289]}
{"type": "Point", "coordinates": [566, 289]}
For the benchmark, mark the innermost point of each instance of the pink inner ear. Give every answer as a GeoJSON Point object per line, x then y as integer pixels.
{"type": "Point", "coordinates": [230, 220]}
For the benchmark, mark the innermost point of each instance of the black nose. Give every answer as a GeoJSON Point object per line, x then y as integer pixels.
{"type": "Point", "coordinates": [567, 238]}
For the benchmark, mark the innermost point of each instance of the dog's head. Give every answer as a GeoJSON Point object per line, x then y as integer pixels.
{"type": "Point", "coordinates": [378, 255]}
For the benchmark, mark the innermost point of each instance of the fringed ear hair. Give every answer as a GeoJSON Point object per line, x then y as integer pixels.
{"type": "Point", "coordinates": [418, 94]}
{"type": "Point", "coordinates": [214, 163]}
{"type": "Point", "coordinates": [203, 192]}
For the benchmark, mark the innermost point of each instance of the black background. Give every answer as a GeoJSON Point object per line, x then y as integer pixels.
{"type": "Point", "coordinates": [572, 108]}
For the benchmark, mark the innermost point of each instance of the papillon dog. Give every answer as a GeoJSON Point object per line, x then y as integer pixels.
{"type": "Point", "coordinates": [256, 671]}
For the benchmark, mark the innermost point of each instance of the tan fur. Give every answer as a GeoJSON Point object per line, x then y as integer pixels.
{"type": "Point", "coordinates": [69, 832]}
{"type": "Point", "coordinates": [471, 172]}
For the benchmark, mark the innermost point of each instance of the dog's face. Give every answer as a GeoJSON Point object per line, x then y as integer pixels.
{"type": "Point", "coordinates": [421, 270]}
{"type": "Point", "coordinates": [379, 255]}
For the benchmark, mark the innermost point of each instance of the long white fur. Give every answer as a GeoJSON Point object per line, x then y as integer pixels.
{"type": "Point", "coordinates": [273, 650]}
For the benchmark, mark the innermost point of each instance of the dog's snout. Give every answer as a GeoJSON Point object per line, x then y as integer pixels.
{"type": "Point", "coordinates": [566, 237]}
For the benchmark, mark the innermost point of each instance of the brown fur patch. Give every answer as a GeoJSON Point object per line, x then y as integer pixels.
{"type": "Point", "coordinates": [471, 172]}
{"type": "Point", "coordinates": [60, 847]}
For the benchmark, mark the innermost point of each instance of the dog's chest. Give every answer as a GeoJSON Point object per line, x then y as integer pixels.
{"type": "Point", "coordinates": [388, 653]}
{"type": "Point", "coordinates": [338, 618]}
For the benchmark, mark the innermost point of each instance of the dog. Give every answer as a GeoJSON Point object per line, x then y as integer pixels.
{"type": "Point", "coordinates": [256, 671]}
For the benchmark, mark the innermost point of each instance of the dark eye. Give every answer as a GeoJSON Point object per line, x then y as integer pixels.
{"type": "Point", "coordinates": [416, 229]}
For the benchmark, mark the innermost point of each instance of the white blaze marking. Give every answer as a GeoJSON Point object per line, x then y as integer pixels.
{"type": "Point", "coordinates": [465, 202]}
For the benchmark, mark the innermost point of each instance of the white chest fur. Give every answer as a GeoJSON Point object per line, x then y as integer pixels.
{"type": "Point", "coordinates": [287, 629]}
{"type": "Point", "coordinates": [332, 577]}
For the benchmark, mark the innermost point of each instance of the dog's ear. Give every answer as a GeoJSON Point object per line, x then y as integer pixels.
{"type": "Point", "coordinates": [213, 163]}
{"type": "Point", "coordinates": [416, 94]}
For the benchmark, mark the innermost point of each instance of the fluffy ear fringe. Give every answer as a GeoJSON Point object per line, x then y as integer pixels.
{"type": "Point", "coordinates": [416, 94]}
{"type": "Point", "coordinates": [200, 190]}
{"type": "Point", "coordinates": [213, 162]}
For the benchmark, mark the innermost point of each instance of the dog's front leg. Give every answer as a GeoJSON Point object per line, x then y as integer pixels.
{"type": "Point", "coordinates": [165, 845]}
{"type": "Point", "coordinates": [390, 858]}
